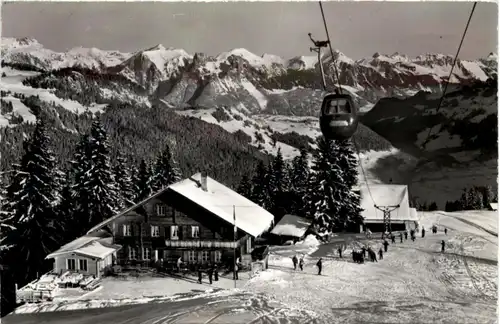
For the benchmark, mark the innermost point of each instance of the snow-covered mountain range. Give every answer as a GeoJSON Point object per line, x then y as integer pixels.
{"type": "Point", "coordinates": [273, 102]}
{"type": "Point", "coordinates": [262, 83]}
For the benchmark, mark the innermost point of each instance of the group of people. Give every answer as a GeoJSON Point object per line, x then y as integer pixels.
{"type": "Point", "coordinates": [212, 272]}
{"type": "Point", "coordinates": [300, 262]}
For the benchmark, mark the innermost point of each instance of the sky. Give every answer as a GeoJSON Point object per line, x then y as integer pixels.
{"type": "Point", "coordinates": [358, 29]}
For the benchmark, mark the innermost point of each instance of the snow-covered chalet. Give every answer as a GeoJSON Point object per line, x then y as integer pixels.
{"type": "Point", "coordinates": [193, 219]}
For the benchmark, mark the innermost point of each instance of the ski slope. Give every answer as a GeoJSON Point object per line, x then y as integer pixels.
{"type": "Point", "coordinates": [414, 280]}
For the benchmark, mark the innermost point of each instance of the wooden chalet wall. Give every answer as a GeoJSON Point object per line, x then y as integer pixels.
{"type": "Point", "coordinates": [180, 212]}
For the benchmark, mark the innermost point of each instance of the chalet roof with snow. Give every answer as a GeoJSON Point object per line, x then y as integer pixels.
{"type": "Point", "coordinates": [291, 225]}
{"type": "Point", "coordinates": [94, 245]}
{"type": "Point", "coordinates": [384, 195]}
{"type": "Point", "coordinates": [217, 199]}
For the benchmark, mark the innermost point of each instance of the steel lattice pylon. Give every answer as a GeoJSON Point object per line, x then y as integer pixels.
{"type": "Point", "coordinates": [387, 216]}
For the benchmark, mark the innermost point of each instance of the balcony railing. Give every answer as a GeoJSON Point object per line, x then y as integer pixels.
{"type": "Point", "coordinates": [201, 244]}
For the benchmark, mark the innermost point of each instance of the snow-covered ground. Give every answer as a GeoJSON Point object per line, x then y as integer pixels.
{"type": "Point", "coordinates": [413, 280]}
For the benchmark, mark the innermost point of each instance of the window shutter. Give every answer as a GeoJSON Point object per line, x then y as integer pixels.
{"type": "Point", "coordinates": [199, 256]}
{"type": "Point", "coordinates": [212, 256]}
{"type": "Point", "coordinates": [185, 256]}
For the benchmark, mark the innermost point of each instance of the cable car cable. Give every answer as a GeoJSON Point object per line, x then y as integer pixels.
{"type": "Point", "coordinates": [330, 46]}
{"type": "Point", "coordinates": [441, 100]}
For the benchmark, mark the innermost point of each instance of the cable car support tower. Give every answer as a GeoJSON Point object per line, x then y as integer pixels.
{"type": "Point", "coordinates": [318, 45]}
{"type": "Point", "coordinates": [387, 217]}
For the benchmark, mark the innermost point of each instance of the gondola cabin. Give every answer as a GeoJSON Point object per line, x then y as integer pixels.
{"type": "Point", "coordinates": [339, 117]}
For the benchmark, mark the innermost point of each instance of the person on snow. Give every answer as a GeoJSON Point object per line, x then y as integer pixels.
{"type": "Point", "coordinates": [339, 250]}
{"type": "Point", "coordinates": [319, 265]}
{"type": "Point", "coordinates": [380, 253]}
{"type": "Point", "coordinates": [363, 252]}
{"type": "Point", "coordinates": [423, 232]}
{"type": "Point", "coordinates": [301, 263]}
{"type": "Point", "coordinates": [442, 246]}
{"type": "Point", "coordinates": [401, 237]}
{"type": "Point", "coordinates": [295, 260]}
{"type": "Point", "coordinates": [386, 244]}
{"type": "Point", "coordinates": [413, 238]}
{"type": "Point", "coordinates": [179, 263]}
{"type": "Point", "coordinates": [235, 272]}
{"type": "Point", "coordinates": [216, 273]}
{"type": "Point", "coordinates": [406, 235]}
{"type": "Point", "coordinates": [199, 275]}
{"type": "Point", "coordinates": [210, 273]}
{"type": "Point", "coordinates": [393, 238]}
{"type": "Point", "coordinates": [445, 231]}
{"type": "Point", "coordinates": [373, 255]}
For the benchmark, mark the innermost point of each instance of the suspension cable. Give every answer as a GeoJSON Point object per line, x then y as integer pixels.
{"type": "Point", "coordinates": [330, 46]}
{"type": "Point", "coordinates": [441, 100]}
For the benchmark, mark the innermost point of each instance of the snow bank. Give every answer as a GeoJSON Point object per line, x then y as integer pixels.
{"type": "Point", "coordinates": [310, 241]}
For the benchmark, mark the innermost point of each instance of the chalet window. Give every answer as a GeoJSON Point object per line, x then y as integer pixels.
{"type": "Point", "coordinates": [132, 253]}
{"type": "Point", "coordinates": [155, 230]}
{"type": "Point", "coordinates": [205, 256]}
{"type": "Point", "coordinates": [191, 256]}
{"type": "Point", "coordinates": [174, 232]}
{"type": "Point", "coordinates": [71, 264]}
{"type": "Point", "coordinates": [127, 230]}
{"type": "Point", "coordinates": [217, 256]}
{"type": "Point", "coordinates": [195, 231]}
{"type": "Point", "coordinates": [161, 209]}
{"type": "Point", "coordinates": [82, 263]}
{"type": "Point", "coordinates": [146, 252]}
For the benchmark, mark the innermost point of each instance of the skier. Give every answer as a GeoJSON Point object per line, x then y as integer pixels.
{"type": "Point", "coordinates": [339, 250]}
{"type": "Point", "coordinates": [445, 231]}
{"type": "Point", "coordinates": [423, 232]}
{"type": "Point", "coordinates": [210, 273]}
{"type": "Point", "coordinates": [301, 263]}
{"type": "Point", "coordinates": [373, 255]}
{"type": "Point", "coordinates": [380, 254]}
{"type": "Point", "coordinates": [401, 237]}
{"type": "Point", "coordinates": [199, 275]}
{"type": "Point", "coordinates": [442, 246]}
{"type": "Point", "coordinates": [319, 265]}
{"type": "Point", "coordinates": [235, 272]}
{"type": "Point", "coordinates": [295, 260]}
{"type": "Point", "coordinates": [216, 273]}
{"type": "Point", "coordinates": [393, 238]}
{"type": "Point", "coordinates": [386, 244]}
{"type": "Point", "coordinates": [406, 235]}
{"type": "Point", "coordinates": [179, 263]}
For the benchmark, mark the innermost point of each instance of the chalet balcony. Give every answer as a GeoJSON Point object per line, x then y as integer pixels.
{"type": "Point", "coordinates": [201, 244]}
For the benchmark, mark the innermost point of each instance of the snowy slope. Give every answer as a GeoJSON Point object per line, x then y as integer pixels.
{"type": "Point", "coordinates": [241, 122]}
{"type": "Point", "coordinates": [413, 280]}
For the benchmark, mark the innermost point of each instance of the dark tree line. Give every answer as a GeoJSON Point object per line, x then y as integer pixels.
{"type": "Point", "coordinates": [44, 207]}
{"type": "Point", "coordinates": [322, 192]}
{"type": "Point", "coordinates": [475, 198]}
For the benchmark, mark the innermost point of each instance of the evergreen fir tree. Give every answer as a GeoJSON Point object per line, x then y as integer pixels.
{"type": "Point", "coordinates": [144, 185]}
{"type": "Point", "coordinates": [260, 186]}
{"type": "Point", "coordinates": [245, 187]}
{"type": "Point", "coordinates": [433, 206]}
{"type": "Point", "coordinates": [471, 199]}
{"type": "Point", "coordinates": [65, 211]}
{"type": "Point", "coordinates": [165, 172]}
{"type": "Point", "coordinates": [488, 196]}
{"type": "Point", "coordinates": [348, 163]}
{"type": "Point", "coordinates": [299, 178]}
{"type": "Point", "coordinates": [29, 205]}
{"type": "Point", "coordinates": [477, 201]}
{"type": "Point", "coordinates": [95, 189]}
{"type": "Point", "coordinates": [278, 185]}
{"type": "Point", "coordinates": [123, 182]}
{"type": "Point", "coordinates": [464, 200]}
{"type": "Point", "coordinates": [134, 174]}
{"type": "Point", "coordinates": [327, 191]}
